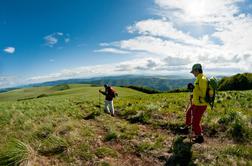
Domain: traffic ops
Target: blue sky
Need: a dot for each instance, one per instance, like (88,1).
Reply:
(24,24)
(46,40)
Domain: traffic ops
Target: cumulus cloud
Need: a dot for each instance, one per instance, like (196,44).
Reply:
(9,50)
(56,38)
(171,37)
(166,29)
(148,65)
(207,11)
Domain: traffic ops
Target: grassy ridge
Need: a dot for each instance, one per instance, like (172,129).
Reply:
(67,126)
(236,82)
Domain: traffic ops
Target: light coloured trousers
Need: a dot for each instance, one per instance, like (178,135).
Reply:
(109,107)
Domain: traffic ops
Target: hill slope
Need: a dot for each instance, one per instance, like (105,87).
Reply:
(236,82)
(68,127)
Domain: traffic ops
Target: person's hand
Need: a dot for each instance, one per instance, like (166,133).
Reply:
(99,90)
(190,87)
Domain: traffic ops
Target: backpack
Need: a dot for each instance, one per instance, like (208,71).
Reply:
(112,92)
(212,86)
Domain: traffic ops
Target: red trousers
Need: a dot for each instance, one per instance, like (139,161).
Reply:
(193,117)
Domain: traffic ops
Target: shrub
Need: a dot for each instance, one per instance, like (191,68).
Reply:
(236,126)
(229,118)
(239,131)
(110,136)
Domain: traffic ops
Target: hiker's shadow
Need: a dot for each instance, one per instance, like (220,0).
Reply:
(182,153)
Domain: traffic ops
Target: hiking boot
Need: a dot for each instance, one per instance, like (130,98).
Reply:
(184,130)
(106,112)
(198,139)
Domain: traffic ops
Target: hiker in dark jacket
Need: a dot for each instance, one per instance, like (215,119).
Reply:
(109,94)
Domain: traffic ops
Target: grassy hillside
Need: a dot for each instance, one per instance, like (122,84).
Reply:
(67,127)
(236,82)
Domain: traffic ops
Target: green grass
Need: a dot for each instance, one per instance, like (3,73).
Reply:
(67,126)
(15,153)
(105,151)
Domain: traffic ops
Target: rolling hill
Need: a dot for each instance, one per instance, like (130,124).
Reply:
(236,82)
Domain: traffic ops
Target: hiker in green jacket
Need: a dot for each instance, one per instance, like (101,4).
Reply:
(109,94)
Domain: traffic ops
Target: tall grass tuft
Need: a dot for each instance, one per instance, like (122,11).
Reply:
(239,131)
(237,128)
(52,145)
(15,153)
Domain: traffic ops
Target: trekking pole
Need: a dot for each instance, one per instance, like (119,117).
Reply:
(191,115)
(187,107)
(100,101)
(190,134)
(190,87)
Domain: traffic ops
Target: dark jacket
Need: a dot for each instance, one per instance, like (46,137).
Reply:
(109,93)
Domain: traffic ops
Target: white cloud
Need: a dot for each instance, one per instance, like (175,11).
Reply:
(9,50)
(97,70)
(228,43)
(164,28)
(125,67)
(201,11)
(112,50)
(104,44)
(8,81)
(51,40)
(57,38)
(150,65)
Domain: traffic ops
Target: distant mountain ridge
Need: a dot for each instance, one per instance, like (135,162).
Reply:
(160,83)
